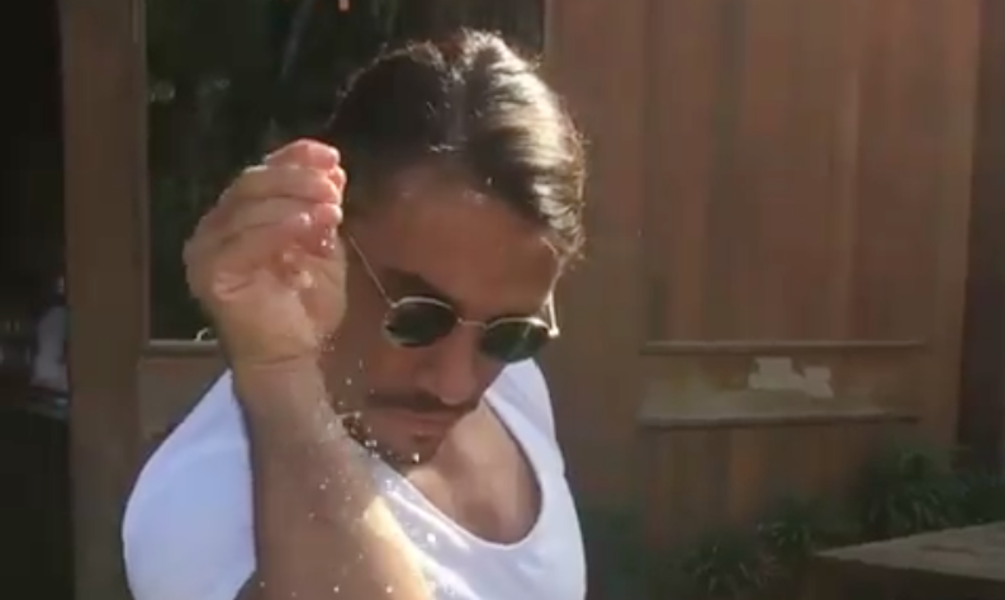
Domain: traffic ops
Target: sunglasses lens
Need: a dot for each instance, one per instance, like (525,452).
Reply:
(513,341)
(417,322)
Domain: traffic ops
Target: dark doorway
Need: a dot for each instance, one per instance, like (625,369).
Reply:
(35,505)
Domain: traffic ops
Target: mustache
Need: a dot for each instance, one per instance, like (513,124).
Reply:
(417,402)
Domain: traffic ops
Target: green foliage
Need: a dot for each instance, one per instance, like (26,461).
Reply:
(909,489)
(905,490)
(983,497)
(727,564)
(798,528)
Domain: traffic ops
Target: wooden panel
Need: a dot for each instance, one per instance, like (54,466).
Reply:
(710,474)
(773,178)
(596,54)
(102,90)
(982,393)
(172,378)
(801,167)
(807,195)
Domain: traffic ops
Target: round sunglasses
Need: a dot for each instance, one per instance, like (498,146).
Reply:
(418,321)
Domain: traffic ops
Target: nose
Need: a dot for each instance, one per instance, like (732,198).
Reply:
(450,367)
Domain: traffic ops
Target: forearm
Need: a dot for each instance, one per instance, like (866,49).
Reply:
(321,530)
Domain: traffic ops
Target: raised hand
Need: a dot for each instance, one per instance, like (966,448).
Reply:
(266,261)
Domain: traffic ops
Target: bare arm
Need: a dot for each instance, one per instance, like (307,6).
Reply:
(267,265)
(321,531)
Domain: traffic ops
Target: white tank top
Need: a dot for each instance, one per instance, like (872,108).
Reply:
(188,529)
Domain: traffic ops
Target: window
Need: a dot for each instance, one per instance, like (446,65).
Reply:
(229,79)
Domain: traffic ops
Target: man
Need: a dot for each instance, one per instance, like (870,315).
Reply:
(382,431)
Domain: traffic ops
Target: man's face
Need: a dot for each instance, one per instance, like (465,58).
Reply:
(439,240)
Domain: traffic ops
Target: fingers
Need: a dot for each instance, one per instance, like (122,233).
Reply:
(287,248)
(260,182)
(288,207)
(305,153)
(276,210)
(304,169)
(317,223)
(265,196)
(314,192)
(310,154)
